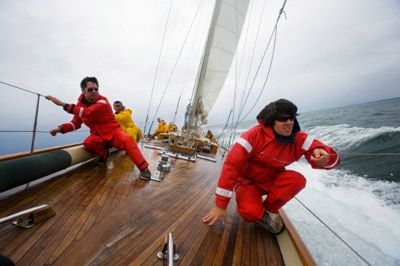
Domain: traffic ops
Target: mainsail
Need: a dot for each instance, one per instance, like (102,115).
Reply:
(225,28)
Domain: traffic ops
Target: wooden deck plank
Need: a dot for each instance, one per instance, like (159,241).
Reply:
(21,248)
(108,216)
(177,212)
(60,234)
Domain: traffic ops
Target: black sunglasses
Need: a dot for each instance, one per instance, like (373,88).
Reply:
(284,118)
(91,89)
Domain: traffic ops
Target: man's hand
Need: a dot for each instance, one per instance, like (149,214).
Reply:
(54,131)
(320,157)
(55,100)
(214,215)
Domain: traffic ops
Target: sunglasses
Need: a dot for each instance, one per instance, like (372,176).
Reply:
(284,118)
(91,89)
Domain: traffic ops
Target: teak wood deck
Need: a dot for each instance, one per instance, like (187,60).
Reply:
(106,215)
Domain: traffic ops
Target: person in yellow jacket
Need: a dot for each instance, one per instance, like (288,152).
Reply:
(162,127)
(124,117)
(172,127)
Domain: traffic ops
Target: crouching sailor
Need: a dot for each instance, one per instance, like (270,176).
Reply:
(95,112)
(255,167)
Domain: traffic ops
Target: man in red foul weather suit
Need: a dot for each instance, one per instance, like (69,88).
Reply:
(255,166)
(96,113)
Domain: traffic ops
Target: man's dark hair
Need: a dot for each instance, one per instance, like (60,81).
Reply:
(88,79)
(118,102)
(278,108)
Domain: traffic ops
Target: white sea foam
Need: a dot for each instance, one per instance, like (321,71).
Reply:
(344,136)
(357,209)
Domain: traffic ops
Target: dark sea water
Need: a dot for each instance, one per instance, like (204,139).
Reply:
(13,142)
(371,128)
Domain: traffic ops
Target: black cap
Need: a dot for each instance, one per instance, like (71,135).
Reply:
(281,107)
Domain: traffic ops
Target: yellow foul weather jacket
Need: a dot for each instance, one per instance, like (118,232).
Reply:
(125,120)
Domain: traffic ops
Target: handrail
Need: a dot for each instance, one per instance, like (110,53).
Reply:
(24,154)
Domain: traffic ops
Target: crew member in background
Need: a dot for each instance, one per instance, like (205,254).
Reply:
(255,166)
(95,112)
(124,117)
(210,135)
(172,127)
(162,127)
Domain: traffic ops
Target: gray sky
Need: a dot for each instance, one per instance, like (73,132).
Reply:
(329,53)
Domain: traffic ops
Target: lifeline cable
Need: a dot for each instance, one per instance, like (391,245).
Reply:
(20,88)
(330,229)
(364,154)
(38,131)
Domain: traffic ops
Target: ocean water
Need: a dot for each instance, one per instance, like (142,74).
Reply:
(360,200)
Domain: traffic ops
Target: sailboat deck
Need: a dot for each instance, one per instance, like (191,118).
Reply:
(106,215)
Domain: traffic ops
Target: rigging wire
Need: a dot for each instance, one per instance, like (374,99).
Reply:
(330,229)
(236,77)
(177,106)
(367,154)
(20,88)
(173,70)
(158,66)
(252,4)
(38,131)
(254,48)
(272,36)
(266,79)
(186,73)
(226,125)
(233,132)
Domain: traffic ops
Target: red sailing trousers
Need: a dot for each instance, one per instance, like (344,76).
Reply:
(280,190)
(120,140)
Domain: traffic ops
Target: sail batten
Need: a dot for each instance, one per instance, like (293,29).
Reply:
(223,38)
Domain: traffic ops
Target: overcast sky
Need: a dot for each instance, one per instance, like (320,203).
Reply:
(329,53)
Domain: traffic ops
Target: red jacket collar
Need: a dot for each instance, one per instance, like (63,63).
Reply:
(81,99)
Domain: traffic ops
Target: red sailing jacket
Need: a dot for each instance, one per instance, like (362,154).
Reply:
(98,116)
(257,157)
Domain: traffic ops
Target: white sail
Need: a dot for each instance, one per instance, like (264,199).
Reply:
(224,34)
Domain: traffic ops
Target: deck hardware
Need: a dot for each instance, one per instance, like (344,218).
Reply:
(27,218)
(168,251)
(157,176)
(163,164)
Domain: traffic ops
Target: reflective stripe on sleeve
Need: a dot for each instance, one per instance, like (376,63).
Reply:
(332,165)
(72,124)
(101,101)
(223,192)
(307,143)
(245,144)
(81,112)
